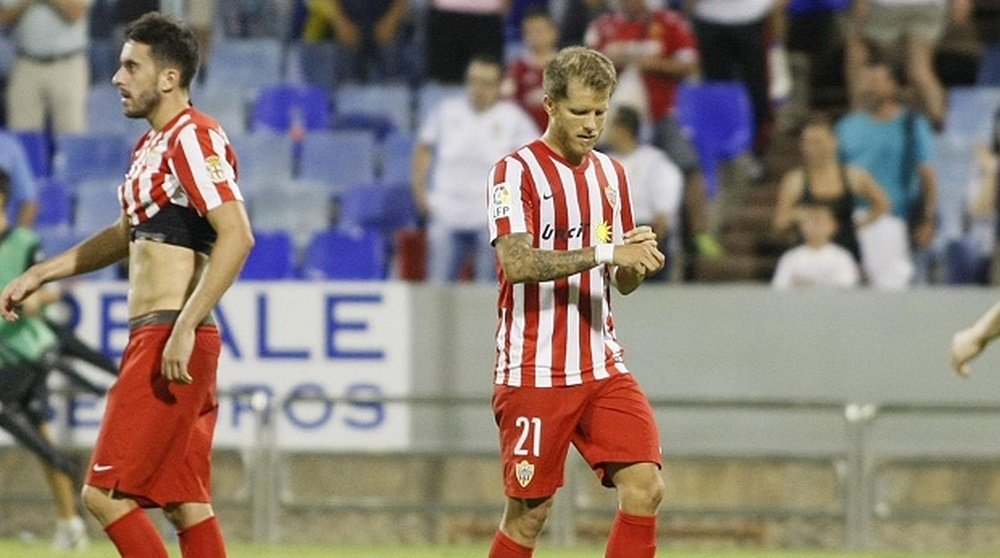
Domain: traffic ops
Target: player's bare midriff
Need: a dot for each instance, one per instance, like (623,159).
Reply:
(161,276)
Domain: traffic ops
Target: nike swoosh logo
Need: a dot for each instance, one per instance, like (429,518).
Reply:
(102,468)
(548,196)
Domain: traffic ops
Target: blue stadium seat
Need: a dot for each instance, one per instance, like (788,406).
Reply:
(38,148)
(339,158)
(971,111)
(272,257)
(300,209)
(383,207)
(245,65)
(55,205)
(316,61)
(392,101)
(277,108)
(96,205)
(720,120)
(377,124)
(346,255)
(106,116)
(221,105)
(103,57)
(397,156)
(263,158)
(989,66)
(82,156)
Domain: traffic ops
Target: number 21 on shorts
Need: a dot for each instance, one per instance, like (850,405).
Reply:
(531,435)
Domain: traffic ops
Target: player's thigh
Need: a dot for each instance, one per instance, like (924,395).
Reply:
(618,427)
(67,86)
(25,101)
(536,425)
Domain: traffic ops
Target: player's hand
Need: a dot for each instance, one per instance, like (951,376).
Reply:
(177,355)
(965,345)
(641,235)
(642,259)
(15,292)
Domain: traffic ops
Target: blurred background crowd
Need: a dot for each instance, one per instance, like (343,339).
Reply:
(798,142)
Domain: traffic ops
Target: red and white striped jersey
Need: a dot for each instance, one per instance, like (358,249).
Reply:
(558,333)
(189,163)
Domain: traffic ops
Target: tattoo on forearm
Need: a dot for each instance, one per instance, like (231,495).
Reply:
(525,264)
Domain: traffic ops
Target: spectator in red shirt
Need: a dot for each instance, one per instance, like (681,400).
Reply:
(660,44)
(524,74)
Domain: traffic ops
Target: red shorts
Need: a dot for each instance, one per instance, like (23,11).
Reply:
(609,421)
(155,443)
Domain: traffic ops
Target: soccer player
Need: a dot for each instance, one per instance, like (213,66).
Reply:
(968,343)
(561,222)
(186,234)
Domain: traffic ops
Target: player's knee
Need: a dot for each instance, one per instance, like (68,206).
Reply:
(93,499)
(528,525)
(643,496)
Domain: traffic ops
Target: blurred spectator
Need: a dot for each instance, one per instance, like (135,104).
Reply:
(916,25)
(816,30)
(818,262)
(201,19)
(22,201)
(824,179)
(524,74)
(970,257)
(895,145)
(733,41)
(655,50)
(51,74)
(655,183)
(459,30)
(463,137)
(368,36)
(255,18)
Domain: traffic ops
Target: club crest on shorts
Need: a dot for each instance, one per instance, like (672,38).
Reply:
(524,472)
(215,168)
(500,200)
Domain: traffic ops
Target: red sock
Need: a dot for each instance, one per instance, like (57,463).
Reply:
(505,547)
(632,536)
(135,536)
(203,540)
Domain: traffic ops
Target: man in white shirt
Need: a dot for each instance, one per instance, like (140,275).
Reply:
(656,183)
(457,145)
(818,262)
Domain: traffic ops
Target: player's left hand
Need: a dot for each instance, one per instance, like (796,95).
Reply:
(176,355)
(641,234)
(965,345)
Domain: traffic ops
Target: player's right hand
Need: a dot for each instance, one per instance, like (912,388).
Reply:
(965,345)
(642,259)
(15,292)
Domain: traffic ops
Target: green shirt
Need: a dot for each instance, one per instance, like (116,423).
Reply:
(27,338)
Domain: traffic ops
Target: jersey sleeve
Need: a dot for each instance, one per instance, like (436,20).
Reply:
(509,201)
(205,164)
(625,214)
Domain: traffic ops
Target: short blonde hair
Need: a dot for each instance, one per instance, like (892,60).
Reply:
(588,66)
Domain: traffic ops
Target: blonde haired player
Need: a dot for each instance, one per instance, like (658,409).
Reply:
(561,222)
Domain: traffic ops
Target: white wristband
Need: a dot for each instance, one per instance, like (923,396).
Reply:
(604,253)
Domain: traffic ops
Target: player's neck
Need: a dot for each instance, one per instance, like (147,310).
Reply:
(168,109)
(552,141)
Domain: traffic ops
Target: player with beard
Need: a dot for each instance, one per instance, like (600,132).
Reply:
(185,231)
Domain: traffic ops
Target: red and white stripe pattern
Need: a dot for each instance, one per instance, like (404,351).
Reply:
(188,163)
(558,333)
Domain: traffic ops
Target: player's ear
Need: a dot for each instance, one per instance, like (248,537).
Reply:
(549,105)
(170,79)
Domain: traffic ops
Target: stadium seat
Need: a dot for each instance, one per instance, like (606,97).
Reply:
(82,156)
(377,124)
(275,208)
(430,94)
(96,205)
(263,157)
(55,205)
(397,156)
(230,112)
(720,120)
(279,108)
(272,257)
(244,65)
(339,158)
(971,112)
(391,101)
(346,255)
(38,148)
(103,57)
(316,61)
(106,116)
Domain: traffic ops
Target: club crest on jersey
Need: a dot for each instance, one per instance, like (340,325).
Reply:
(603,232)
(611,193)
(500,200)
(215,169)
(524,472)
